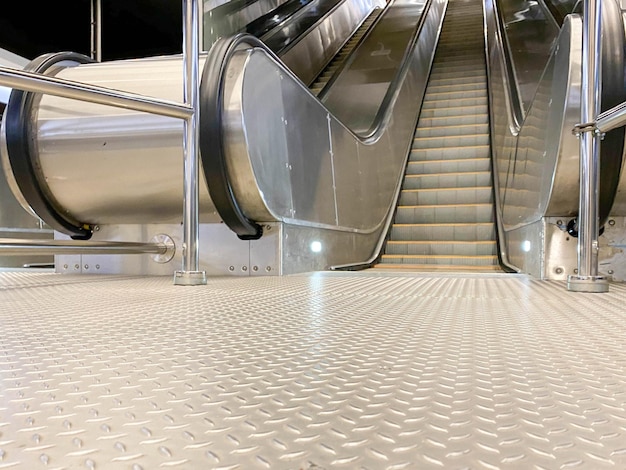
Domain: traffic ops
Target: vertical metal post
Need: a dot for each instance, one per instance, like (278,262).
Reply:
(587,279)
(190,275)
(96,30)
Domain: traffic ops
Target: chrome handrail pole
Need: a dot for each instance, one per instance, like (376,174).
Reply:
(38,83)
(587,278)
(190,275)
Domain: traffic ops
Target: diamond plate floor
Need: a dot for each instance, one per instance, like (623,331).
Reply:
(369,370)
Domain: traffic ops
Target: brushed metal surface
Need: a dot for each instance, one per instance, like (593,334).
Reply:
(336,371)
(531,32)
(216,24)
(307,55)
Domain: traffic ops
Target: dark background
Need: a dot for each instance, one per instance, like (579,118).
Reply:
(130,28)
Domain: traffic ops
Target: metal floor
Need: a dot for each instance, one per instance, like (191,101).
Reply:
(369,370)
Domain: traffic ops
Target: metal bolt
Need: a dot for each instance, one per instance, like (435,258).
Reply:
(86,266)
(244,268)
(268,268)
(611,222)
(97,266)
(559,270)
(231,268)
(255,268)
(76,266)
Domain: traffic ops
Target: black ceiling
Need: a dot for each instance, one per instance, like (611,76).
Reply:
(130,28)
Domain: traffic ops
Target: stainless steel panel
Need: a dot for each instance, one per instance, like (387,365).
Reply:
(543,249)
(612,249)
(531,33)
(221,252)
(217,24)
(358,92)
(542,180)
(308,56)
(109,165)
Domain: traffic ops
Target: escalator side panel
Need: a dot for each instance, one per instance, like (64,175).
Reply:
(310,54)
(301,166)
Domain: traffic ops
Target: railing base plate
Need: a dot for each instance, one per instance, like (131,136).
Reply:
(597,284)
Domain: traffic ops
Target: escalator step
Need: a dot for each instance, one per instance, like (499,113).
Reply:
(456,248)
(448,166)
(443,232)
(485,260)
(476,195)
(445,214)
(446,121)
(476,151)
(448,131)
(447,180)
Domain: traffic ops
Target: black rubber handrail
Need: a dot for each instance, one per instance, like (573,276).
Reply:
(212,152)
(22,156)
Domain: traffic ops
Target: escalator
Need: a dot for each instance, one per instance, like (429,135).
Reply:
(342,56)
(445,217)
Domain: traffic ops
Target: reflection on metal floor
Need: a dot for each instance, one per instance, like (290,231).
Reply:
(368,370)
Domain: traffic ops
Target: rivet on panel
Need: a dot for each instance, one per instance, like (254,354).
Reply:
(86,266)
(231,268)
(255,268)
(77,266)
(268,268)
(610,271)
(611,222)
(244,268)
(558,270)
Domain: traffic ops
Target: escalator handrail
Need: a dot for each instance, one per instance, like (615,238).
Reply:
(212,149)
(512,93)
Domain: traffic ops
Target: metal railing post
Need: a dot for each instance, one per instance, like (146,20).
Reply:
(190,274)
(587,278)
(96,30)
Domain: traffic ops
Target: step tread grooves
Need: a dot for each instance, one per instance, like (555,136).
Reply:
(450,147)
